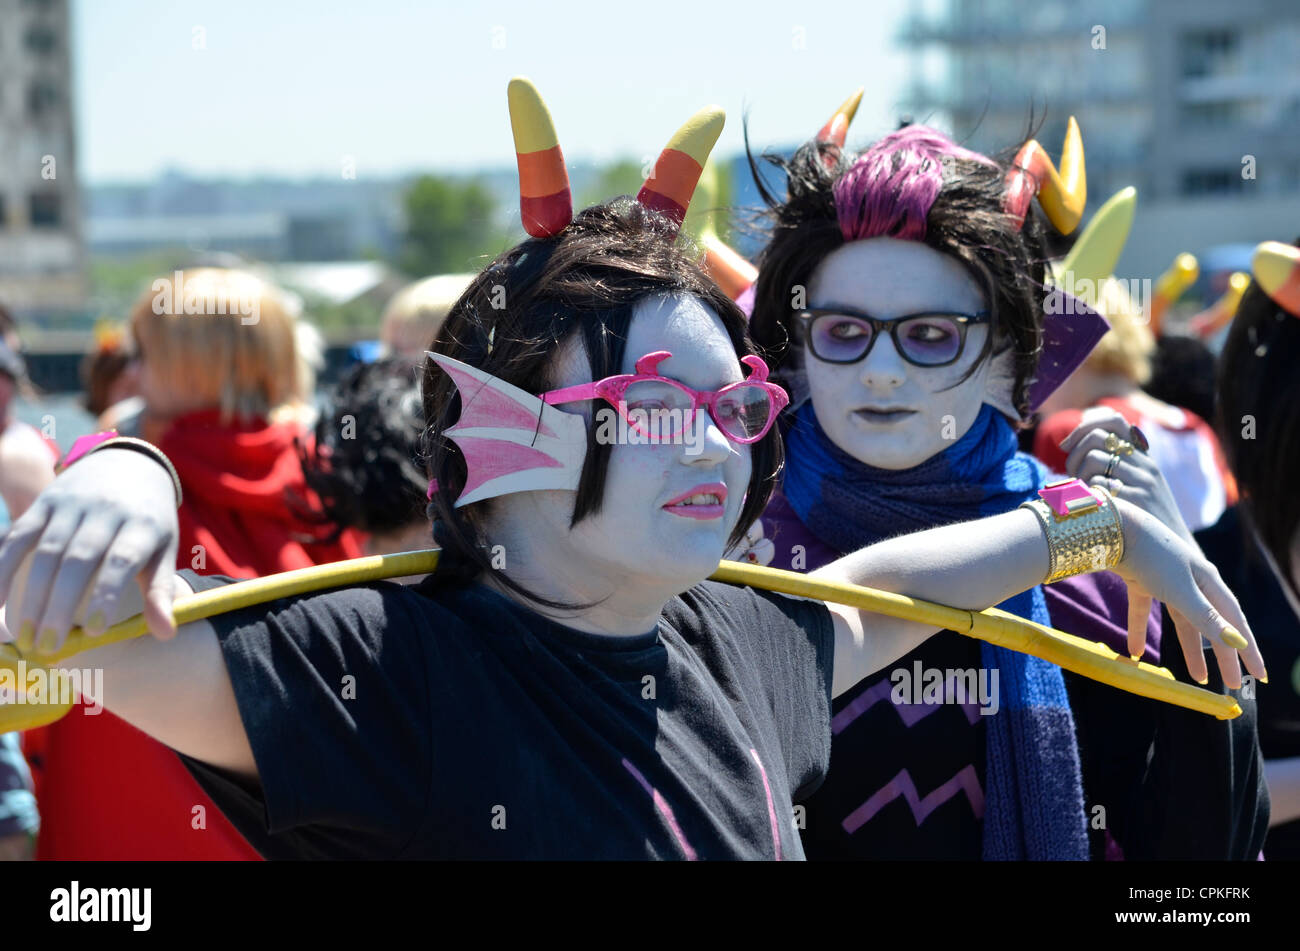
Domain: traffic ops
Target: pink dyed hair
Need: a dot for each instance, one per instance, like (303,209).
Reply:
(889,190)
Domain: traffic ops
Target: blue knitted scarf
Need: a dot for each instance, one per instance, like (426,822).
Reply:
(1034,790)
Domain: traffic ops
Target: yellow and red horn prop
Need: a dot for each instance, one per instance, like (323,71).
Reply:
(1062,194)
(732,272)
(1170,286)
(1276,267)
(1087,658)
(728,268)
(836,129)
(676,172)
(545,202)
(1220,313)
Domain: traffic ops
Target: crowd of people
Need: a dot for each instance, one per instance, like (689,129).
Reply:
(894,398)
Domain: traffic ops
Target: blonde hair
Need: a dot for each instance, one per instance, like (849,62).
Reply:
(1126,350)
(219,339)
(415,314)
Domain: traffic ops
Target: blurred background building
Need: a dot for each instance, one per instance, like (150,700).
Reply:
(1195,102)
(42,262)
(304,220)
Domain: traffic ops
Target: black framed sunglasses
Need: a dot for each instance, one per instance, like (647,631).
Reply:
(931,339)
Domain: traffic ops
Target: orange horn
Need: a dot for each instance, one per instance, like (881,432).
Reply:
(1062,195)
(728,268)
(672,182)
(836,128)
(545,202)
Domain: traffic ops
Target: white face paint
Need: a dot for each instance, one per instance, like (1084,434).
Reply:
(923,411)
(637,538)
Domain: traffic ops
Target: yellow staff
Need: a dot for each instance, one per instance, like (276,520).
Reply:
(1087,658)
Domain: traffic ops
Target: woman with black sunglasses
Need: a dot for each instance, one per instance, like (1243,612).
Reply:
(903,302)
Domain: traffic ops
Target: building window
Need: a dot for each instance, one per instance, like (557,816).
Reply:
(1216,114)
(1208,53)
(41,40)
(45,211)
(42,99)
(1211,181)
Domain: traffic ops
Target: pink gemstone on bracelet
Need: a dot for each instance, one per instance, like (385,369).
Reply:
(1069,497)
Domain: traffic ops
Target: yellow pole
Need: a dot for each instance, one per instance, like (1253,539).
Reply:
(1087,658)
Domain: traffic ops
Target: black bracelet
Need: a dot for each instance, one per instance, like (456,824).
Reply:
(148,449)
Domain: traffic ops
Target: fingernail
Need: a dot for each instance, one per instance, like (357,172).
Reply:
(1135,657)
(1232,637)
(1203,681)
(49,641)
(97,622)
(1264,679)
(26,636)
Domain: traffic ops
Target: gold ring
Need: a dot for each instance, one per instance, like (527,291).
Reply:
(1117,445)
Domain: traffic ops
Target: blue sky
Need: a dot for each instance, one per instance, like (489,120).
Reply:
(241,87)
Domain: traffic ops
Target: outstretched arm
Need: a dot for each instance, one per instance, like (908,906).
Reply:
(970,565)
(97,547)
(975,565)
(178,691)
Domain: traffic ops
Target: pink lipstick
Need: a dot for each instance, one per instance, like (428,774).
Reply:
(705,501)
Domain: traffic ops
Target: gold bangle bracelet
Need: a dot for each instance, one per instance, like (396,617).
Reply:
(1091,540)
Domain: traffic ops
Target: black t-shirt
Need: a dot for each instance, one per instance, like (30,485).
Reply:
(909,780)
(422,722)
(1170,783)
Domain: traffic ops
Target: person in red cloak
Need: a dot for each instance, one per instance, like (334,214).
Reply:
(220,377)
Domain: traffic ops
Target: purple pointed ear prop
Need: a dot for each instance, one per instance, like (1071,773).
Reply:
(512,441)
(1071,329)
(746,300)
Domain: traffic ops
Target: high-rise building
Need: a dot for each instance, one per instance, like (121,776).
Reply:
(1195,102)
(42,263)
